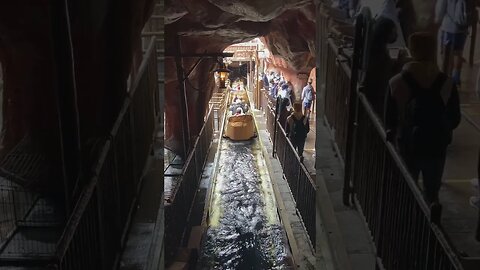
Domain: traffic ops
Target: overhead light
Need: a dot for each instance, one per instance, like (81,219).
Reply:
(222,72)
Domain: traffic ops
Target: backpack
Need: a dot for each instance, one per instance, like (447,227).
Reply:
(463,13)
(425,116)
(299,130)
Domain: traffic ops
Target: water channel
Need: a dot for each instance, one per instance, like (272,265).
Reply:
(245,231)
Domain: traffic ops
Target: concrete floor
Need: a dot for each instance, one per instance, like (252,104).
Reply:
(347,233)
(298,238)
(459,218)
(148,213)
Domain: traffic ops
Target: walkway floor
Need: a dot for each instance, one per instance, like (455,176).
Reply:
(346,230)
(459,218)
(309,151)
(295,231)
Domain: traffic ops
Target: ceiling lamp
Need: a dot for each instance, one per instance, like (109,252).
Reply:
(222,72)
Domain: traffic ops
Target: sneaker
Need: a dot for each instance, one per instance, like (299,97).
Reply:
(475,202)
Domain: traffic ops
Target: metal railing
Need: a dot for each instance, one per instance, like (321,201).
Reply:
(177,210)
(301,184)
(322,37)
(218,105)
(96,231)
(269,110)
(392,204)
(337,95)
(376,179)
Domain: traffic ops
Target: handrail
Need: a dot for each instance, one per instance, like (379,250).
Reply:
(178,209)
(192,153)
(91,216)
(74,221)
(143,66)
(302,186)
(377,171)
(302,166)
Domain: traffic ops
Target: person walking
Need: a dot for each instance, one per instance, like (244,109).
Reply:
(422,110)
(297,128)
(283,100)
(454,17)
(381,67)
(307,97)
(265,80)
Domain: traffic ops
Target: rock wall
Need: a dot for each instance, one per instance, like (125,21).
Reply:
(105,40)
(287,28)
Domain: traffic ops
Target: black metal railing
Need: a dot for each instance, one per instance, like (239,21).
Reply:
(177,210)
(301,184)
(96,231)
(337,95)
(218,105)
(323,30)
(269,110)
(392,204)
(376,177)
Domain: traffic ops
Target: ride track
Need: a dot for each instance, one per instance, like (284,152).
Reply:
(244,229)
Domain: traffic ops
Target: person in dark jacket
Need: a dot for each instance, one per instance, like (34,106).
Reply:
(297,128)
(422,110)
(380,66)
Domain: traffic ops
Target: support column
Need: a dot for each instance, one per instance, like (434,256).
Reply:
(183,98)
(66,103)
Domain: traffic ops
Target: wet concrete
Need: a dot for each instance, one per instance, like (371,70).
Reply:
(244,231)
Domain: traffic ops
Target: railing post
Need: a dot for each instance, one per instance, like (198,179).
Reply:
(101,227)
(183,98)
(277,104)
(298,181)
(352,109)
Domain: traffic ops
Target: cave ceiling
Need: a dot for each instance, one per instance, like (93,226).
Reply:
(287,27)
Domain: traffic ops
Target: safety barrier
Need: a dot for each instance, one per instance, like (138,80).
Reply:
(96,231)
(322,36)
(405,231)
(301,184)
(337,95)
(392,205)
(181,199)
(269,110)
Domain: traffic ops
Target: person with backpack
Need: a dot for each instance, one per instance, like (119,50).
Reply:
(297,128)
(284,105)
(307,97)
(454,17)
(422,110)
(381,67)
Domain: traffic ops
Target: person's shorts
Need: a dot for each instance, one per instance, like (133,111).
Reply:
(456,41)
(307,105)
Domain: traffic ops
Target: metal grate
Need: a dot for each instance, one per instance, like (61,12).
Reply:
(29,223)
(25,164)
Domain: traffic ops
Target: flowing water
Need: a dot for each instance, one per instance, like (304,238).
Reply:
(244,230)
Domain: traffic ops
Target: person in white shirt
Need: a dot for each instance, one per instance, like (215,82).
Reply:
(307,98)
